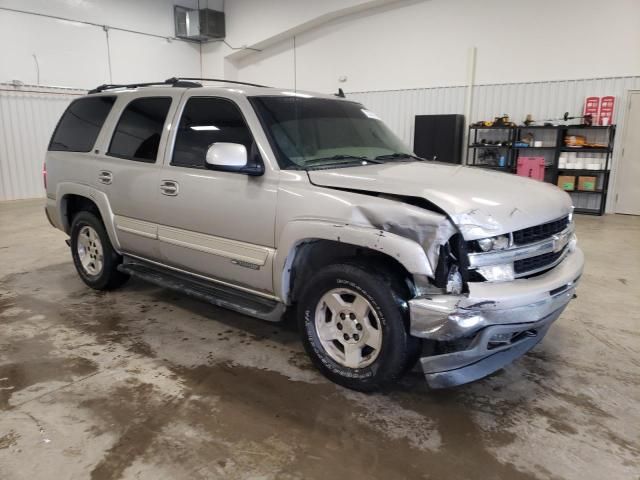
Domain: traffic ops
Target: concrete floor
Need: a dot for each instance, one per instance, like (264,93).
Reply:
(144,383)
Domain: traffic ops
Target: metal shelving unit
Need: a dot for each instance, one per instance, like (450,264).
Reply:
(602,175)
(553,139)
(488,156)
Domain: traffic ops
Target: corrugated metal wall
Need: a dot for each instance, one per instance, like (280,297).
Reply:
(28,115)
(543,100)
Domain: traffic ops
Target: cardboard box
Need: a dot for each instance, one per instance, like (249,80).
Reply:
(587,183)
(567,182)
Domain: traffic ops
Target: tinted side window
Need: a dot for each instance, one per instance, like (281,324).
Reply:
(80,124)
(206,121)
(137,135)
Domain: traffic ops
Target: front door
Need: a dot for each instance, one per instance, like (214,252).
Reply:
(216,224)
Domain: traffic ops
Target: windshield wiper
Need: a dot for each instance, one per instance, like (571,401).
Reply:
(394,156)
(328,160)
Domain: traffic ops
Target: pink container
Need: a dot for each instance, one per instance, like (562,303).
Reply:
(532,167)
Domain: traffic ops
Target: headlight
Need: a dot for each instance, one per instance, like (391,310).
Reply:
(500,242)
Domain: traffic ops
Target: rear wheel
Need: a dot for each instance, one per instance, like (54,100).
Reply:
(353,327)
(93,255)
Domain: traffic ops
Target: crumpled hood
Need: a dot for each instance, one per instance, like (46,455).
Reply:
(480,202)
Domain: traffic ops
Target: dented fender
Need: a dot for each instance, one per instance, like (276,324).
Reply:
(407,252)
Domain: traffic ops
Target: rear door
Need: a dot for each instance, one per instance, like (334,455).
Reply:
(129,165)
(213,223)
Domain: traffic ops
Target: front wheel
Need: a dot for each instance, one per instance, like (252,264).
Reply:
(353,328)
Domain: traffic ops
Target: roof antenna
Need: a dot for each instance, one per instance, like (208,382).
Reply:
(340,93)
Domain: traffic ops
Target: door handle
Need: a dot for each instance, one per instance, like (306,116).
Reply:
(169,187)
(105,176)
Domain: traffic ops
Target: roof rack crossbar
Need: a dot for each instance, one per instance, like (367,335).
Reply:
(237,82)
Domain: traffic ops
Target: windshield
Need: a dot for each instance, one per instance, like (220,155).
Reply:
(320,133)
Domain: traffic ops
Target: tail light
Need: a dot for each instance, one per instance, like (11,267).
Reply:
(44,174)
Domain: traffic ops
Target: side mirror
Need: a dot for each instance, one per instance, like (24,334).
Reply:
(230,157)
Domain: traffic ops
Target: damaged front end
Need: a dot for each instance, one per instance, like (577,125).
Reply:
(489,296)
(498,275)
(490,322)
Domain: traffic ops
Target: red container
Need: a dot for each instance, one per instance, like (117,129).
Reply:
(532,167)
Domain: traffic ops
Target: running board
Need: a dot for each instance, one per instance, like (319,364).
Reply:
(214,293)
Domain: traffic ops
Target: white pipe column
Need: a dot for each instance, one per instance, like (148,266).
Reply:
(468,97)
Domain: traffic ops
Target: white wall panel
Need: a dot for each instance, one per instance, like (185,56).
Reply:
(136,58)
(252,21)
(397,108)
(28,116)
(67,54)
(543,100)
(275,67)
(546,99)
(151,16)
(415,44)
(76,54)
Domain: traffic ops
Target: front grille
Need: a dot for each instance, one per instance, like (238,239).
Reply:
(536,263)
(539,232)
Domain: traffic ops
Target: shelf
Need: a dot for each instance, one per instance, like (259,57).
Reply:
(535,148)
(489,146)
(586,150)
(600,192)
(491,128)
(548,127)
(587,211)
(494,167)
(585,127)
(579,171)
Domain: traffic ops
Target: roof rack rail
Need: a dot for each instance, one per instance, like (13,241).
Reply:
(184,82)
(222,81)
(174,82)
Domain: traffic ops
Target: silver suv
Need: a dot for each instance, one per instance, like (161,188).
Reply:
(262,200)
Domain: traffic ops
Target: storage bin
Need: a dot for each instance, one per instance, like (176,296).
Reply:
(532,167)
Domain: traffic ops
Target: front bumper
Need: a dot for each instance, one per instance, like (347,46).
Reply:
(493,324)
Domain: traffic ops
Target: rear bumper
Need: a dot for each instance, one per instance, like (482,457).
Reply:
(46,212)
(51,212)
(494,324)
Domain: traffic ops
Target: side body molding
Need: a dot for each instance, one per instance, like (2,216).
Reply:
(407,252)
(98,197)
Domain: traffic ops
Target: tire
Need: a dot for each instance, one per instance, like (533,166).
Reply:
(384,350)
(93,255)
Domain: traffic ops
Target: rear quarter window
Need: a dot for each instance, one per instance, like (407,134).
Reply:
(137,135)
(80,124)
